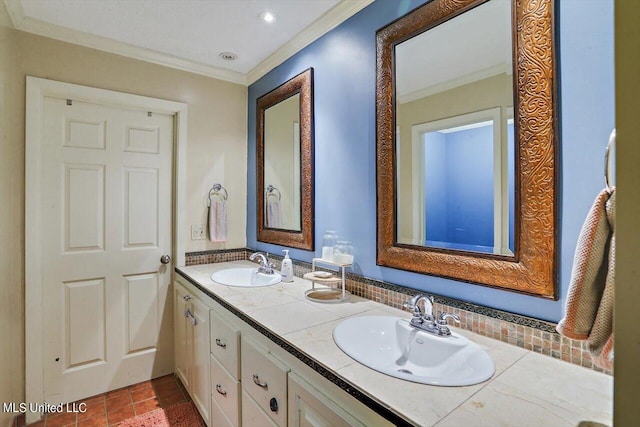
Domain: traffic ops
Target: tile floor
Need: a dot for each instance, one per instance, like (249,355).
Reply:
(109,409)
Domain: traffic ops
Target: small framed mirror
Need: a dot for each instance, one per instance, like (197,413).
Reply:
(466,143)
(284,141)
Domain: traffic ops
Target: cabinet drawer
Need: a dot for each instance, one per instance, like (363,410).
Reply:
(225,391)
(264,378)
(225,344)
(252,415)
(218,418)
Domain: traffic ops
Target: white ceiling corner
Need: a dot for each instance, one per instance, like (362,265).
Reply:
(331,19)
(187,34)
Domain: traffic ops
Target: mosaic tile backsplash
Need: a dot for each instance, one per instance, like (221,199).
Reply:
(531,334)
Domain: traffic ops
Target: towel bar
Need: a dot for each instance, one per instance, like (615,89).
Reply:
(217,190)
(270,191)
(607,177)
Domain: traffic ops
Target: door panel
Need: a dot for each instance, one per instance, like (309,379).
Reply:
(85,323)
(143,317)
(140,140)
(84,207)
(141,207)
(81,133)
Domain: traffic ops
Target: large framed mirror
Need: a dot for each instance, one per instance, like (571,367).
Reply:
(466,143)
(284,143)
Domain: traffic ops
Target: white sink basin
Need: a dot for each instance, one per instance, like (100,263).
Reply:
(246,277)
(391,346)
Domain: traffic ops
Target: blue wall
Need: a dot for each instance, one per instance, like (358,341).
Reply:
(345,146)
(469,163)
(459,188)
(435,180)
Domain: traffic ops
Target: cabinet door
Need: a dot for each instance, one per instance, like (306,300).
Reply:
(200,378)
(310,408)
(182,333)
(252,415)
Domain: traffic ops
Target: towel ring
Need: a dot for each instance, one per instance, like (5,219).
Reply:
(218,190)
(607,177)
(270,191)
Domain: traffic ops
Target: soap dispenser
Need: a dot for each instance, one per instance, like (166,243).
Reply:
(287,267)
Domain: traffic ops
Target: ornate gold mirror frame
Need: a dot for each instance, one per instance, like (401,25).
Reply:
(303,239)
(532,268)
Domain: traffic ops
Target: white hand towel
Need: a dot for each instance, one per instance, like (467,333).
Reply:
(218,221)
(274,213)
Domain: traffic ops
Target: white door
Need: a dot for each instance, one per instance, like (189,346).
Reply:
(106,221)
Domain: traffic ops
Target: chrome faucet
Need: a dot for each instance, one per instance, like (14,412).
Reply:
(425,320)
(266,266)
(419,316)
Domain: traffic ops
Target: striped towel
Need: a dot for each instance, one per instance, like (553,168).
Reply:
(274,213)
(589,305)
(217,219)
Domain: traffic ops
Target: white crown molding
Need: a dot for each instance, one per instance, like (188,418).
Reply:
(30,25)
(331,19)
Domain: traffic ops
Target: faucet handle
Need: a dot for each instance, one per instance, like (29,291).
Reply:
(269,262)
(441,323)
(442,318)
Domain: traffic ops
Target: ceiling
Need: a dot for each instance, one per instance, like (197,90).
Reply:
(473,46)
(188,34)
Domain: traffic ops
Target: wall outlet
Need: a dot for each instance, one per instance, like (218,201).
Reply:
(198,231)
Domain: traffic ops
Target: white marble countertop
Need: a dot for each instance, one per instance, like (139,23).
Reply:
(527,389)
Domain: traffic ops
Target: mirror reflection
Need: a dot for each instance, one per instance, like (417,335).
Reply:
(282,165)
(455,134)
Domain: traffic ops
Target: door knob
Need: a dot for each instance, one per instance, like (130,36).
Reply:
(165,259)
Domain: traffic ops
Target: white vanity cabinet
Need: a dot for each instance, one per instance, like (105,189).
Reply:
(251,380)
(191,323)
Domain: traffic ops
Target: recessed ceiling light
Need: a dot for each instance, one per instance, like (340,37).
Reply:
(267,17)
(228,56)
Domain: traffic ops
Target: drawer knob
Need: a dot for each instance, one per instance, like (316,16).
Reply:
(256,381)
(219,343)
(220,390)
(273,404)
